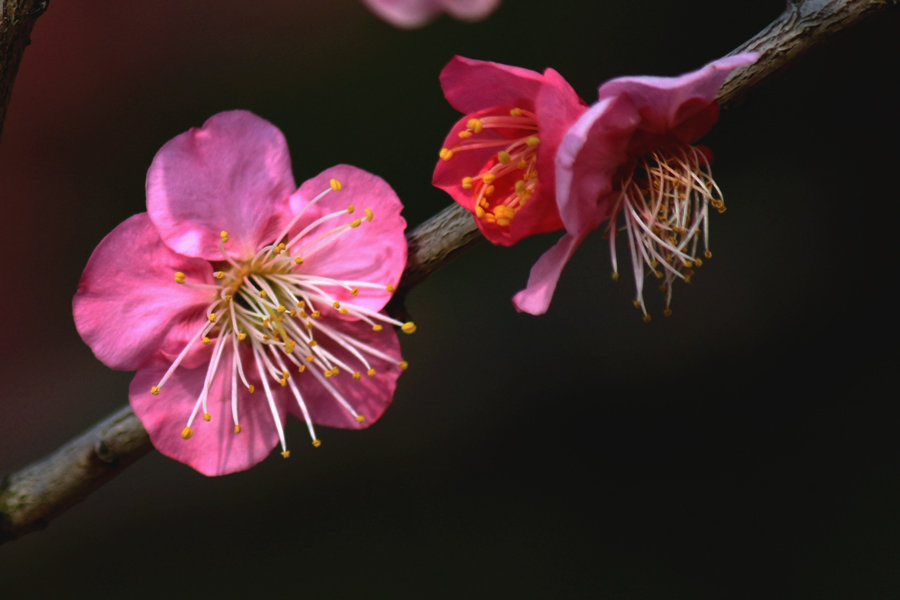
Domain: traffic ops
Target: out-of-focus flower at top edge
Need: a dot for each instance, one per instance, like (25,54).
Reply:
(497,161)
(411,14)
(632,154)
(239,298)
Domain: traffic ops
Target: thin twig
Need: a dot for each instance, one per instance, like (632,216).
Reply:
(32,496)
(17,19)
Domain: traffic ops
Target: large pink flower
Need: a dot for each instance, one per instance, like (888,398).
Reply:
(632,154)
(410,14)
(239,298)
(497,161)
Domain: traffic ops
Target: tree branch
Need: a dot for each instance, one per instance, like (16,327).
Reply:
(17,18)
(32,496)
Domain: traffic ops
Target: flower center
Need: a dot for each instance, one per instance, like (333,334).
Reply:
(508,179)
(278,314)
(665,202)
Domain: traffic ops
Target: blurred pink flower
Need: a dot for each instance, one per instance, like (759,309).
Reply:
(235,280)
(410,14)
(632,154)
(497,161)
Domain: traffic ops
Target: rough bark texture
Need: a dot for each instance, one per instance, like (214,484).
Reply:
(32,496)
(17,18)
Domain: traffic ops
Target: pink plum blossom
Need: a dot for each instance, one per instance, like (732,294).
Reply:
(410,14)
(497,161)
(632,154)
(239,298)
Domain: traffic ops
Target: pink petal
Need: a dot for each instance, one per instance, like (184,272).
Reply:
(231,174)
(374,252)
(666,102)
(410,14)
(214,448)
(536,297)
(129,306)
(471,85)
(589,156)
(369,396)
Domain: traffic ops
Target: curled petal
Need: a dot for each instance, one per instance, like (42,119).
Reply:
(536,297)
(374,251)
(589,157)
(213,447)
(128,305)
(369,395)
(666,103)
(232,174)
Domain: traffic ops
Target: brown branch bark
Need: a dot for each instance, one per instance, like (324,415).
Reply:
(17,18)
(31,497)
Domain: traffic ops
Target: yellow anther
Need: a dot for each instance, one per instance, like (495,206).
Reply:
(637,303)
(516,112)
(355,222)
(251,388)
(335,185)
(301,368)
(155,390)
(504,157)
(299,260)
(283,382)
(520,187)
(301,304)
(336,304)
(350,209)
(237,428)
(212,317)
(446,153)
(488,178)
(489,190)
(377,327)
(698,262)
(179,277)
(479,212)
(242,336)
(369,214)
(522,164)
(357,375)
(289,346)
(344,311)
(370,372)
(207,417)
(281,308)
(465,134)
(313,343)
(403,365)
(328,373)
(615,275)
(390,288)
(354,291)
(475,125)
(286,454)
(316,443)
(205,340)
(219,274)
(223,235)
(360,418)
(315,314)
(408,327)
(533,141)
(262,293)
(467,183)
(293,312)
(285,374)
(707,254)
(186,433)
(667,312)
(646,318)
(310,358)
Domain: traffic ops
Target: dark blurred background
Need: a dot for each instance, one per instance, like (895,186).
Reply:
(744,447)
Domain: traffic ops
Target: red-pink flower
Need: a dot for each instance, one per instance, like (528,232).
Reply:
(239,298)
(632,154)
(497,161)
(410,14)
